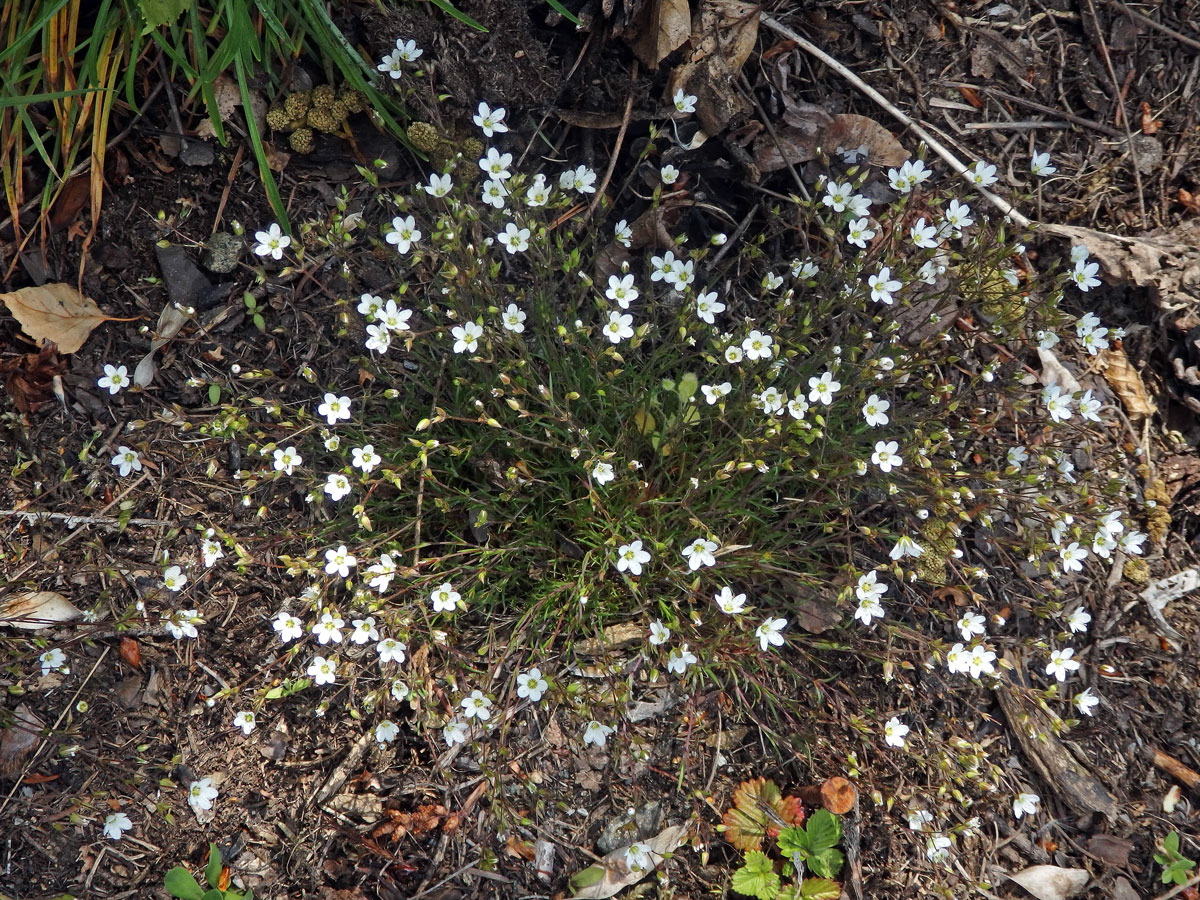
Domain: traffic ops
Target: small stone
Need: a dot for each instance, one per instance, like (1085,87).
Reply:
(222,252)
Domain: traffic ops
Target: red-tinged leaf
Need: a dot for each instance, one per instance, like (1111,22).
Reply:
(131,652)
(971,97)
(38,779)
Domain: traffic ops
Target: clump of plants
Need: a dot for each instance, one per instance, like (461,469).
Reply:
(182,884)
(323,109)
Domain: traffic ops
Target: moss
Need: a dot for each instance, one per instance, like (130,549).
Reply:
(296,104)
(1137,571)
(424,137)
(278,118)
(323,97)
(938,539)
(322,119)
(355,101)
(301,140)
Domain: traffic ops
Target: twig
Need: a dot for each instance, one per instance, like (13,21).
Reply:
(616,150)
(1023,125)
(1176,891)
(1120,101)
(936,146)
(1146,20)
(75,521)
(1051,111)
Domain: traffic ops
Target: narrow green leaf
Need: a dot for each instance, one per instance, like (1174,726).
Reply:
(564,12)
(212,872)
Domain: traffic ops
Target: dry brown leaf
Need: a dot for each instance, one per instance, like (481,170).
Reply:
(723,36)
(55,312)
(18,739)
(661,29)
(849,132)
(29,379)
(35,610)
(810,127)
(613,874)
(1127,384)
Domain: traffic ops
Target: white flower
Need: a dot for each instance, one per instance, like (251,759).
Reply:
(894,732)
(869,588)
(439,186)
(1089,407)
(408,50)
(714,392)
(477,706)
(770,632)
(404,233)
(733,354)
(637,857)
(182,623)
(1058,404)
(392,64)
(631,557)
(911,174)
(245,720)
(937,850)
(339,561)
(445,598)
(494,193)
(174,579)
(595,733)
(379,338)
(804,269)
(1086,701)
(659,633)
(929,271)
(201,794)
(1017,455)
(337,486)
(328,628)
(679,660)
(514,239)
(1084,275)
(700,553)
(707,306)
(1039,164)
(885,455)
(466,337)
(364,630)
(581,179)
(369,305)
(288,626)
(837,195)
(390,650)
(858,232)
(455,733)
(730,603)
(1132,543)
(958,217)
(322,670)
(757,346)
(114,378)
(772,282)
(981,661)
(622,290)
(210,551)
(539,192)
(1025,804)
(958,659)
(513,319)
(491,121)
(1078,620)
(622,233)
(875,411)
(386,731)
(982,174)
(905,546)
(619,327)
(1061,664)
(287,459)
(869,608)
(365,458)
(971,624)
(923,236)
(685,103)
(1072,557)
(116,824)
(333,408)
(919,818)
(531,685)
(126,461)
(393,318)
(603,473)
(669,174)
(822,389)
(271,242)
(52,660)
(797,407)
(883,286)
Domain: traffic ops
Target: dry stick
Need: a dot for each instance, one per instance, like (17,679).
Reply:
(612,159)
(1146,20)
(949,158)
(1175,892)
(1120,100)
(72,521)
(1049,110)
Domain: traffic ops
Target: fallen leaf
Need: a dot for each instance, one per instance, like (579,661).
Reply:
(29,379)
(131,652)
(1054,372)
(810,129)
(724,33)
(169,322)
(18,739)
(1113,850)
(661,29)
(1126,383)
(613,874)
(1052,882)
(1150,125)
(850,132)
(35,610)
(55,312)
